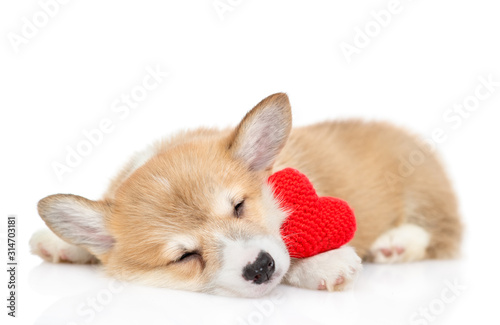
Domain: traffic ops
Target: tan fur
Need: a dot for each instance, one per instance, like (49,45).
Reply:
(150,206)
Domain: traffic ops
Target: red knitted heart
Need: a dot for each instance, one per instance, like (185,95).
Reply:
(315,224)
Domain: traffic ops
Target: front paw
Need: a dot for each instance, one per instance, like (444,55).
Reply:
(333,270)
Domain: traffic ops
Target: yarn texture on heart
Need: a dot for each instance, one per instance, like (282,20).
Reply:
(314,224)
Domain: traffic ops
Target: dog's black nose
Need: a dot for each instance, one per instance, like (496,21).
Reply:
(261,270)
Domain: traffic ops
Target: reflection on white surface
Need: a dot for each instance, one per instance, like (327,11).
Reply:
(383,294)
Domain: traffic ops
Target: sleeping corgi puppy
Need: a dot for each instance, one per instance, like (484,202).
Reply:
(195,211)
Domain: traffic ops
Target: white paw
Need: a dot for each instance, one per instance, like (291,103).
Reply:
(51,248)
(334,270)
(405,243)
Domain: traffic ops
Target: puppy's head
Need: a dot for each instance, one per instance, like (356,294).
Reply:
(198,215)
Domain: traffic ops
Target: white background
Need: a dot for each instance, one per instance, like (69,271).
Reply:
(64,79)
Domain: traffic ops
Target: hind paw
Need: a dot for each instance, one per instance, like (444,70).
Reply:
(53,249)
(405,243)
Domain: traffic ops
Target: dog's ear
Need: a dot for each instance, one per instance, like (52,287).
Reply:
(262,133)
(78,221)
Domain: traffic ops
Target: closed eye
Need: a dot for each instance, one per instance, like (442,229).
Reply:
(238,209)
(188,256)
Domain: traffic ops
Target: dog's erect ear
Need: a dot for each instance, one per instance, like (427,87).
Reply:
(263,132)
(78,221)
